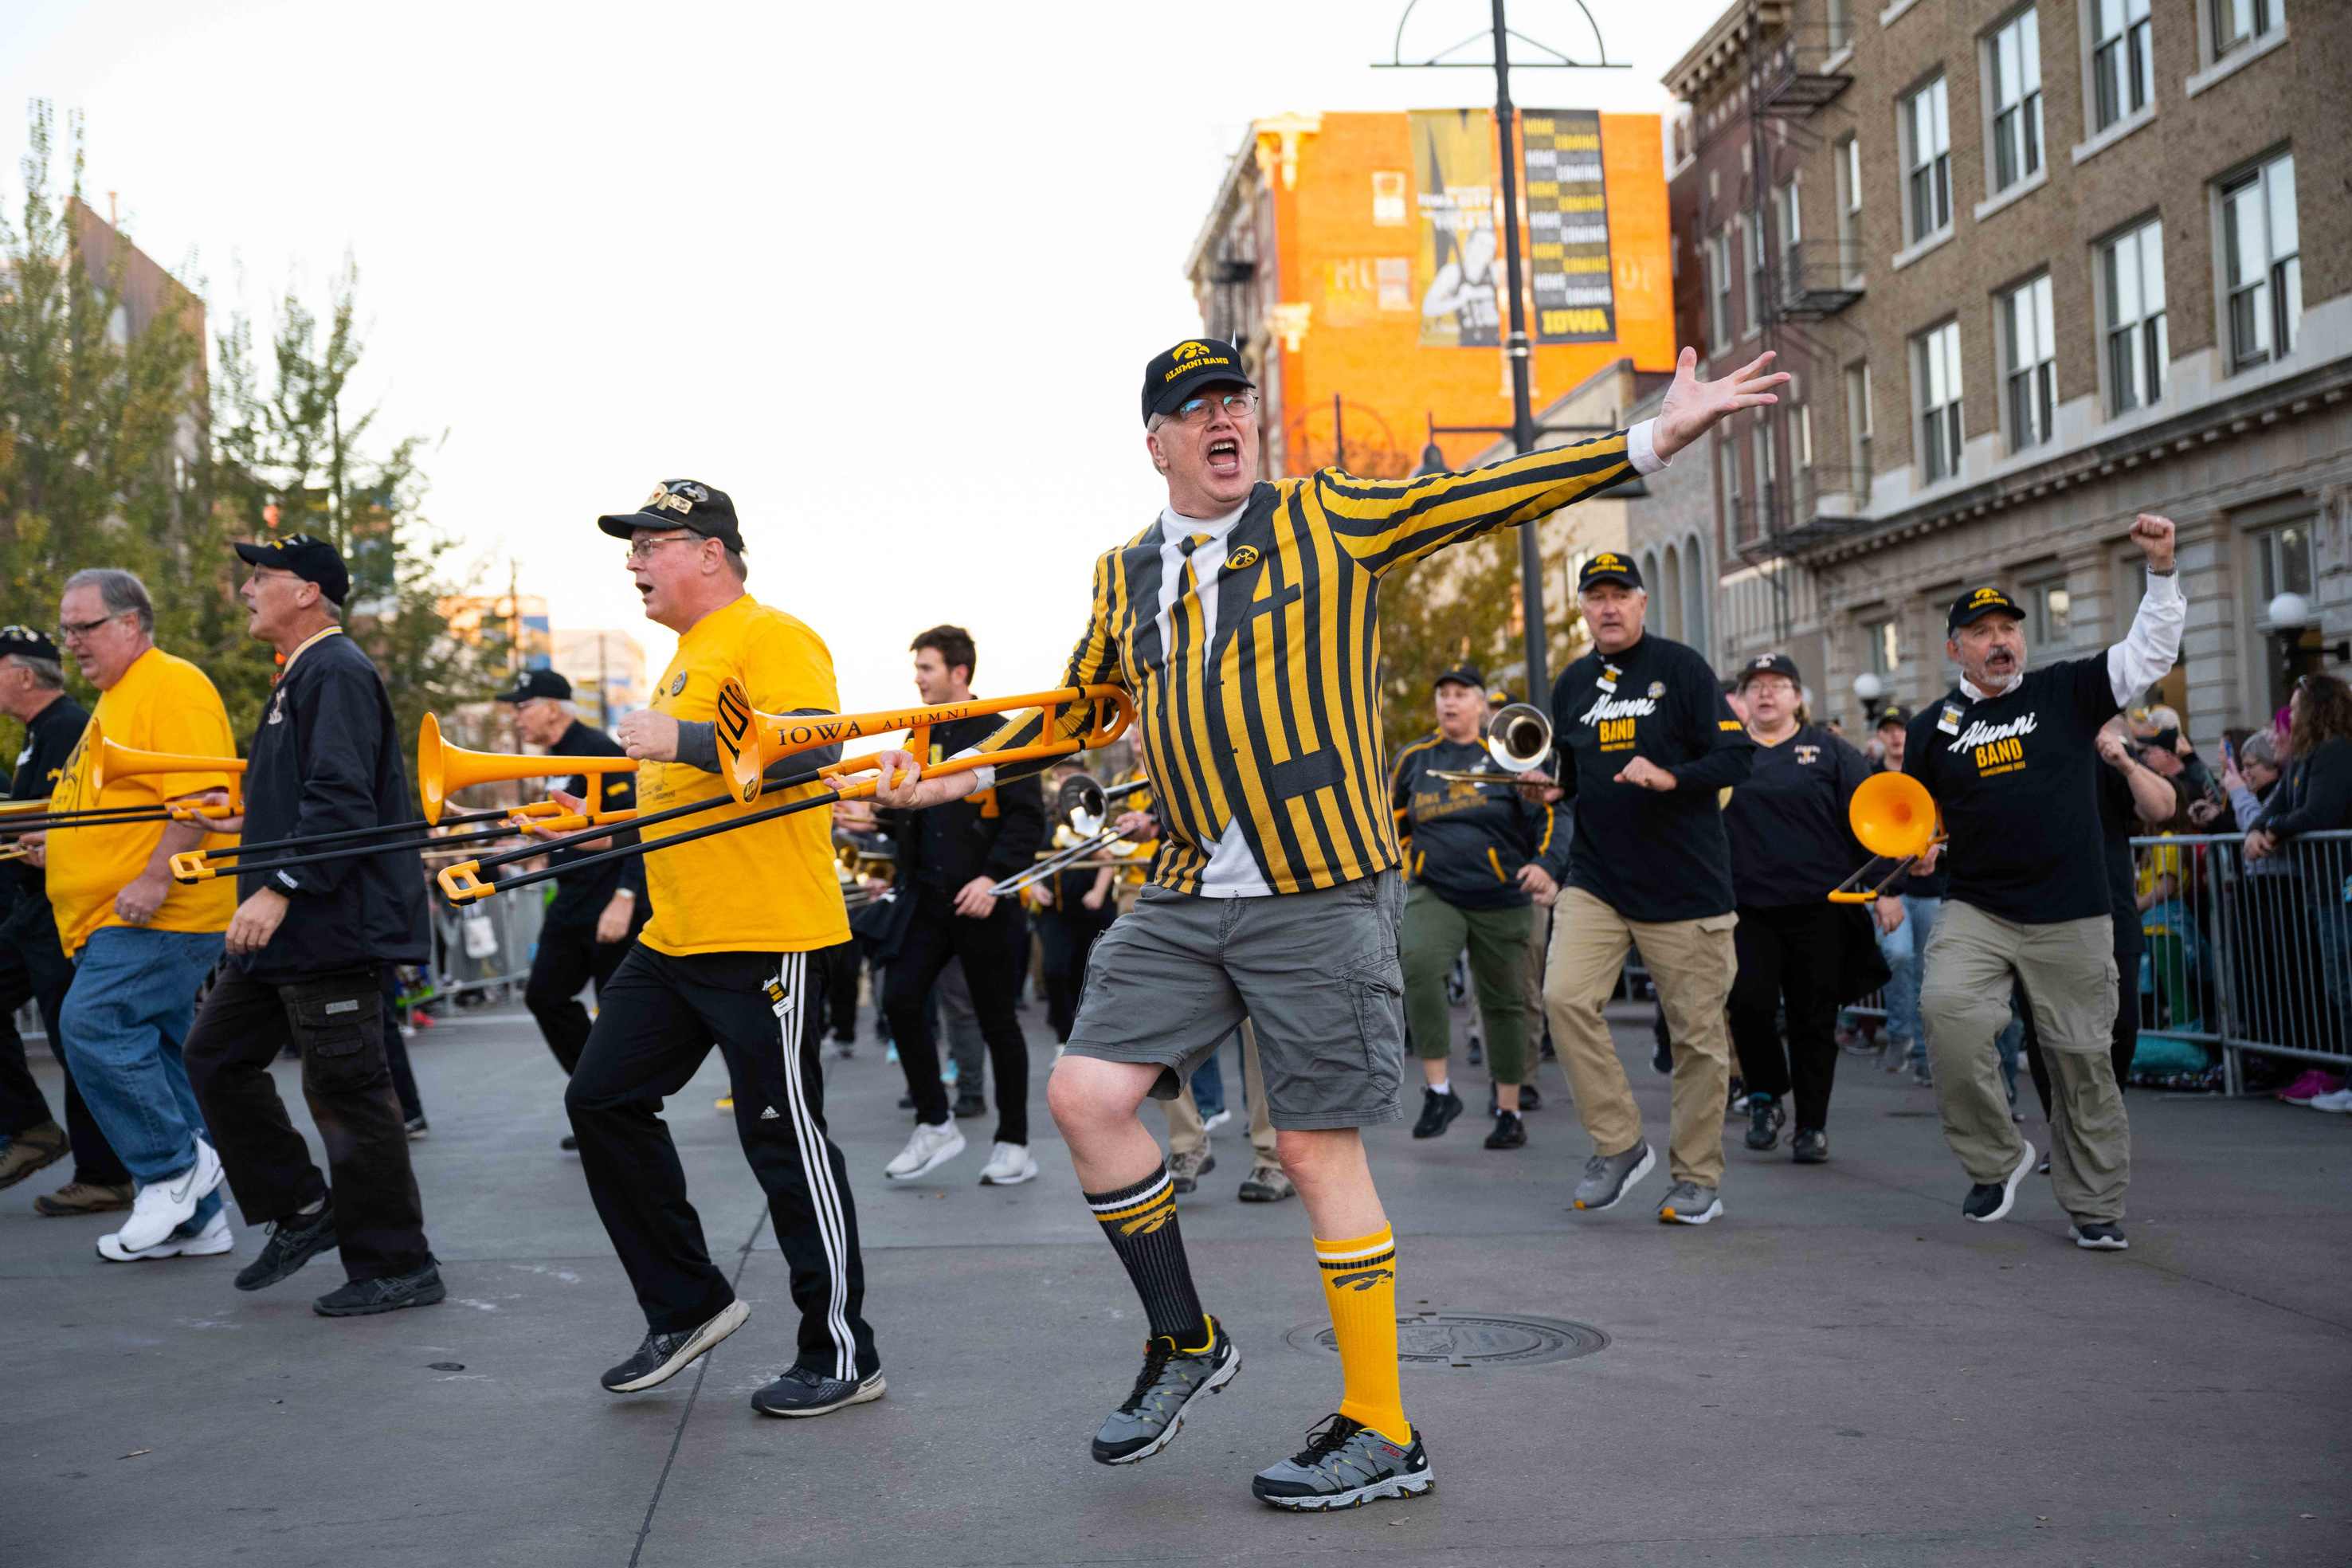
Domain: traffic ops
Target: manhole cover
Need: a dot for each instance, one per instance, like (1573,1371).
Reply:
(1472,1339)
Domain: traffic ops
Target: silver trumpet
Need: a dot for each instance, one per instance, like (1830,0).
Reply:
(1518,736)
(1084,804)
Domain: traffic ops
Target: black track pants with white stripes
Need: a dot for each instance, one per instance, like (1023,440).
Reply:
(656,1021)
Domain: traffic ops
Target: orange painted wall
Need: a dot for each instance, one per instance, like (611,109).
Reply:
(1330,248)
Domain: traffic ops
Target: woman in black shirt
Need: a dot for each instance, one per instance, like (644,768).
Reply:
(2315,796)
(1789,846)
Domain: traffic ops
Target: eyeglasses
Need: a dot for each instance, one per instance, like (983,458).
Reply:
(68,631)
(1192,410)
(643,550)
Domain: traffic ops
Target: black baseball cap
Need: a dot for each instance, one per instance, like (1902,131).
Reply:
(1976,604)
(1461,675)
(1894,713)
(27,643)
(681,503)
(312,560)
(1769,664)
(530,683)
(1175,375)
(1608,567)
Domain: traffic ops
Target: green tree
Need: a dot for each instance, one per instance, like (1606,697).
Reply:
(1461,606)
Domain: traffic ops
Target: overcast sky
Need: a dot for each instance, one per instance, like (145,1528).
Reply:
(886,273)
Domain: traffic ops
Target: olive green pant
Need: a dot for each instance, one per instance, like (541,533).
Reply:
(2068,971)
(1431,932)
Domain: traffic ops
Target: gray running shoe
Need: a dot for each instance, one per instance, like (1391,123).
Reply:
(1266,1185)
(1344,1465)
(1688,1203)
(1186,1170)
(1168,1381)
(805,1391)
(1608,1177)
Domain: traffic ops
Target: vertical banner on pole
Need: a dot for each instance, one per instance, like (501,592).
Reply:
(1457,273)
(1568,226)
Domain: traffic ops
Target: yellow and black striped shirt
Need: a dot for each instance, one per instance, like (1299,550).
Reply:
(1271,716)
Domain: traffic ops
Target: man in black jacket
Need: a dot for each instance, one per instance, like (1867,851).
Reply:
(949,856)
(1652,743)
(33,966)
(324,758)
(595,914)
(1479,857)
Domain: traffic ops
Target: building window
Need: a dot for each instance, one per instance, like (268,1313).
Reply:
(1726,462)
(1935,370)
(2029,362)
(1849,206)
(1388,199)
(1719,293)
(2123,64)
(2237,23)
(1768,473)
(2131,269)
(2049,603)
(1857,427)
(1841,23)
(1927,158)
(1882,647)
(2282,563)
(2016,80)
(2261,266)
(1753,242)
(1792,238)
(1392,276)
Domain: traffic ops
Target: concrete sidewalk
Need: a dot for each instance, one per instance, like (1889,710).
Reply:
(1840,1370)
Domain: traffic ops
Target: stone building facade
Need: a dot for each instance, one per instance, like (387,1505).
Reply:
(2036,268)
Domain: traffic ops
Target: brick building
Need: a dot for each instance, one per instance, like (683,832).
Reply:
(2035,267)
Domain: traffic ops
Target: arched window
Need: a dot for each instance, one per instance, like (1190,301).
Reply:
(1694,595)
(1670,595)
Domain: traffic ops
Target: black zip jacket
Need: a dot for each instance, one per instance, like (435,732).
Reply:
(50,741)
(994,833)
(326,758)
(2316,795)
(1466,842)
(1650,854)
(580,896)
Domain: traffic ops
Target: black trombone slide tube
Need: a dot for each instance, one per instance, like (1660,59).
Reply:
(825,798)
(356,851)
(349,834)
(544,846)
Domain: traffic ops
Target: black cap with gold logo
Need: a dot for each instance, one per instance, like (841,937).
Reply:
(1175,375)
(1608,567)
(681,503)
(312,560)
(1976,604)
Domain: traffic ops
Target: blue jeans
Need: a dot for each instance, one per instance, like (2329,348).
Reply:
(133,998)
(1209,1085)
(1905,952)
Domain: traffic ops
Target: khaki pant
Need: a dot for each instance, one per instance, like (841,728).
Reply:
(2068,971)
(1692,963)
(1188,1131)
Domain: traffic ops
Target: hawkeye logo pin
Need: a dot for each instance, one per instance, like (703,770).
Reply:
(679,685)
(1657,689)
(1241,559)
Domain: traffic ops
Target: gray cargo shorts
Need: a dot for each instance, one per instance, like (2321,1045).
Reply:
(1317,973)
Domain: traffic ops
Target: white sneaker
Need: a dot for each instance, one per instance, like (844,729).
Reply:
(163,1207)
(1219,1120)
(927,1151)
(2340,1102)
(1009,1165)
(209,1242)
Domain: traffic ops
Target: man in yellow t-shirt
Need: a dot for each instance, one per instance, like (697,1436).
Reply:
(142,943)
(726,959)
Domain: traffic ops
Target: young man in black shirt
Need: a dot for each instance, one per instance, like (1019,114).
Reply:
(1478,858)
(306,951)
(32,966)
(2010,757)
(948,856)
(1652,743)
(595,915)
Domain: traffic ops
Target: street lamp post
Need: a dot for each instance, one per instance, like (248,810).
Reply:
(1523,430)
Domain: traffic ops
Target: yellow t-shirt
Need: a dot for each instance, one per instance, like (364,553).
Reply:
(769,889)
(161,704)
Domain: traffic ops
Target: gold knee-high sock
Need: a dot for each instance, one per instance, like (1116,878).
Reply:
(1359,1287)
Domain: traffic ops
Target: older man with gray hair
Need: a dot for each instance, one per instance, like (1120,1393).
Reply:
(143,944)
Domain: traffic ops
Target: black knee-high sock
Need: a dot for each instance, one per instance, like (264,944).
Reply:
(1140,1221)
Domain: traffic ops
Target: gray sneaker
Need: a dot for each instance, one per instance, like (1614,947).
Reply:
(1688,1203)
(1344,1465)
(1186,1170)
(1608,1177)
(1171,1378)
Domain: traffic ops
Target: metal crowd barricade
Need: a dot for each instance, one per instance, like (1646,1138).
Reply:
(2247,956)
(513,920)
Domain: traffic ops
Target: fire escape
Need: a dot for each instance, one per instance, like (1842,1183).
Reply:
(1802,283)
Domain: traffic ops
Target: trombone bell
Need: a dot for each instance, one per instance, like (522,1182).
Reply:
(1518,737)
(442,769)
